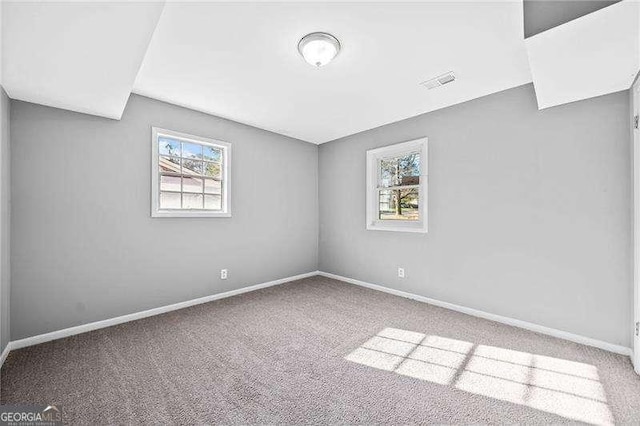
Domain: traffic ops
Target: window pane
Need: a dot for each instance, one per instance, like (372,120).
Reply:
(212,170)
(191,201)
(192,167)
(169,165)
(212,186)
(213,202)
(169,200)
(397,171)
(170,183)
(212,154)
(192,184)
(168,146)
(401,204)
(191,150)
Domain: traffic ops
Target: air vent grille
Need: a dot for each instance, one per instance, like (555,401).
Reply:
(441,80)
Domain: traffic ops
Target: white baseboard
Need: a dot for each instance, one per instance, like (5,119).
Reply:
(59,334)
(623,350)
(5,353)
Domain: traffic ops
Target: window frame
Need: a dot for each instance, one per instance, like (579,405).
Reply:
(225,198)
(374,157)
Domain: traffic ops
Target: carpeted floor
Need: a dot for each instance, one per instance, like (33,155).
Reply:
(321,351)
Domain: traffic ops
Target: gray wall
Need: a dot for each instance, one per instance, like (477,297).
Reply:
(529,212)
(84,247)
(542,15)
(4,220)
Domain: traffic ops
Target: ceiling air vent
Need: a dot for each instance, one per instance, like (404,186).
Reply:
(440,80)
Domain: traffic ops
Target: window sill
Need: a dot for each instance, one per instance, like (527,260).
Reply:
(189,213)
(415,227)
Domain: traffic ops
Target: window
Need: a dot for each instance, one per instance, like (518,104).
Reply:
(189,176)
(397,187)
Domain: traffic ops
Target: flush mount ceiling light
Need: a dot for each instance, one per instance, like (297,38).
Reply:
(318,49)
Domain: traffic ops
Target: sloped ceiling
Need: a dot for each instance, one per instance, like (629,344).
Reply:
(80,56)
(594,55)
(239,60)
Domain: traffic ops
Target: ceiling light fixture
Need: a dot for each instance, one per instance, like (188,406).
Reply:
(319,49)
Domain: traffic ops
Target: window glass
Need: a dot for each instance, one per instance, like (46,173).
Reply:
(213,202)
(398,204)
(170,183)
(192,184)
(212,154)
(400,171)
(168,146)
(169,200)
(191,150)
(192,201)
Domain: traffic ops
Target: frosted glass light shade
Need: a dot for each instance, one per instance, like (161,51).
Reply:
(318,49)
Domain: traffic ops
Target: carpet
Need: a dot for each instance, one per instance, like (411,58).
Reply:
(320,351)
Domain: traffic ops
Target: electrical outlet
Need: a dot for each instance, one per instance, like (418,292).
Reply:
(400,272)
(223,274)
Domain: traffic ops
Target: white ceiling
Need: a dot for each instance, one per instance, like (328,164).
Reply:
(240,61)
(591,56)
(78,56)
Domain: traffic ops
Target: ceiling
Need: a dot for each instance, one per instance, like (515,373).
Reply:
(591,56)
(240,61)
(78,56)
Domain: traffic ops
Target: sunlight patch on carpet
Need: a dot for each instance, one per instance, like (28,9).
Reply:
(566,388)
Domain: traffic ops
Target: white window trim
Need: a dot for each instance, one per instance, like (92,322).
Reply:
(155,176)
(373,169)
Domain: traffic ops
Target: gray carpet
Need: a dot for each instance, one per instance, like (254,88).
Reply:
(319,351)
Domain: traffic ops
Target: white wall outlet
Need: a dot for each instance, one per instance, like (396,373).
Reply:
(400,272)
(223,274)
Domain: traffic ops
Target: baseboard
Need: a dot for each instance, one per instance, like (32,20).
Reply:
(623,350)
(59,334)
(5,353)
